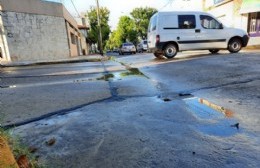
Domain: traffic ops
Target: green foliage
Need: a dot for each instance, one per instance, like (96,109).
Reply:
(114,40)
(125,32)
(129,29)
(141,18)
(93,22)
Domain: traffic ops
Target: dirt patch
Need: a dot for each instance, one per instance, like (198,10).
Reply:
(6,157)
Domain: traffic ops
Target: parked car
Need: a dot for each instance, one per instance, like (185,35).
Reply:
(127,48)
(116,50)
(170,32)
(142,46)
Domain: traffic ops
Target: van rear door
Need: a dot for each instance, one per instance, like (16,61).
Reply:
(151,35)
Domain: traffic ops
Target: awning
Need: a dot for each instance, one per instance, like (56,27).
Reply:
(250,6)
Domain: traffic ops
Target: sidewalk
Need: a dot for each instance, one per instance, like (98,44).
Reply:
(88,58)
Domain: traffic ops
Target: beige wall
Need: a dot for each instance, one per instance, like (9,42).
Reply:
(33,37)
(35,30)
(38,7)
(73,46)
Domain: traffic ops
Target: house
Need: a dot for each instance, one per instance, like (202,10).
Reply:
(85,42)
(244,14)
(38,30)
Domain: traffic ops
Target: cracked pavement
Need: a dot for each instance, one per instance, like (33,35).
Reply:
(138,111)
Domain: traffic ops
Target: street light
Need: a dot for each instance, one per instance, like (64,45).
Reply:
(100,32)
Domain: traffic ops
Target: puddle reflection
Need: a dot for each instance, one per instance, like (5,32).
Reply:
(216,120)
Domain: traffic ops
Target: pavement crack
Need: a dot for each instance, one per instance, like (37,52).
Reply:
(55,113)
(219,86)
(113,89)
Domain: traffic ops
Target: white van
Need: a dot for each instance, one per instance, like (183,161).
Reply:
(170,32)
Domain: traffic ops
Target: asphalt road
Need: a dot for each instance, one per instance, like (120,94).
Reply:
(196,110)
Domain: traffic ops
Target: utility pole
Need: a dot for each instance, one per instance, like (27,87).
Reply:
(99,26)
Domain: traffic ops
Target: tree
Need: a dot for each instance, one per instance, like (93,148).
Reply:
(94,31)
(114,40)
(141,18)
(127,30)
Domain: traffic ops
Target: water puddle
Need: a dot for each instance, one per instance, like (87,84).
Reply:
(216,120)
(221,128)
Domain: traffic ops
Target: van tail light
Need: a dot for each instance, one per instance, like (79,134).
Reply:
(157,39)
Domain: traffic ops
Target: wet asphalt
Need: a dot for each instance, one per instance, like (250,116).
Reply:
(196,110)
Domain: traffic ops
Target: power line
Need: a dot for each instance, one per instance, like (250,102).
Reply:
(169,2)
(75,7)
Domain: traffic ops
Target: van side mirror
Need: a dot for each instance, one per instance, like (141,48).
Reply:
(221,26)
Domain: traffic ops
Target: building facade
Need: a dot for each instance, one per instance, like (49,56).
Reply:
(37,30)
(244,14)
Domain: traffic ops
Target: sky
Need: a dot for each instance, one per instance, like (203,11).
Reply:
(124,7)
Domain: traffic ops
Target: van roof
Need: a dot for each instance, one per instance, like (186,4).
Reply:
(181,12)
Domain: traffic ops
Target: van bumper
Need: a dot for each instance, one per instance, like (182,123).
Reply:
(158,47)
(245,40)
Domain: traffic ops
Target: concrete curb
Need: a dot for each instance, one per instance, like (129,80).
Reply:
(22,64)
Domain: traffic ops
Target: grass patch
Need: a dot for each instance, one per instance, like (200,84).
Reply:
(106,77)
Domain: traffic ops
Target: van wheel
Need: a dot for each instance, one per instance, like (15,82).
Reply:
(234,45)
(170,51)
(214,51)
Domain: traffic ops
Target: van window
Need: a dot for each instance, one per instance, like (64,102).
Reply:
(209,22)
(187,21)
(152,25)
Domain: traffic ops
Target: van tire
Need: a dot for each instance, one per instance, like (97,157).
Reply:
(234,45)
(170,51)
(214,51)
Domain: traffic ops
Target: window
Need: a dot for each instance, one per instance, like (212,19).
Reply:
(73,38)
(208,22)
(187,21)
(152,25)
(254,24)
